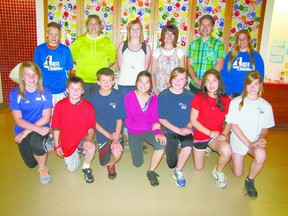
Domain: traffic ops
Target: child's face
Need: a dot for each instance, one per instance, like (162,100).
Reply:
(75,91)
(179,81)
(53,36)
(143,84)
(105,82)
(253,88)
(30,78)
(211,83)
(169,37)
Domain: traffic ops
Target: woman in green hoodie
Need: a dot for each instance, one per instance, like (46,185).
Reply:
(91,52)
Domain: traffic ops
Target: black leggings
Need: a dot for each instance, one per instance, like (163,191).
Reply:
(32,144)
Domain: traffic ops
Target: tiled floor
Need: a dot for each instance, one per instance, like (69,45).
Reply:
(130,193)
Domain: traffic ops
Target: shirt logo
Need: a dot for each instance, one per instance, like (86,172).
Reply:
(183,106)
(261,111)
(113,105)
(50,65)
(240,65)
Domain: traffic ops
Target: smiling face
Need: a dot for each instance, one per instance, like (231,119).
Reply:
(106,83)
(75,91)
(93,27)
(30,79)
(135,31)
(243,42)
(212,84)
(53,36)
(178,82)
(143,84)
(253,89)
(206,27)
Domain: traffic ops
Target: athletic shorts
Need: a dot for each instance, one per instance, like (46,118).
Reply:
(202,145)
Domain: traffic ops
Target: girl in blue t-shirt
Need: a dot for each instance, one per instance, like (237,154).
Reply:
(31,109)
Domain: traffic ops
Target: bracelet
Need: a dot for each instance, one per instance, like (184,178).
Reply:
(57,147)
(210,133)
(223,135)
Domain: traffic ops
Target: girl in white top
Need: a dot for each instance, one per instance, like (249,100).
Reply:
(250,117)
(166,58)
(133,56)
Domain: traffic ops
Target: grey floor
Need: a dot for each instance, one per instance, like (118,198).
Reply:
(130,193)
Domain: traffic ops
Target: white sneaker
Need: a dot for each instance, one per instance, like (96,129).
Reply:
(220,178)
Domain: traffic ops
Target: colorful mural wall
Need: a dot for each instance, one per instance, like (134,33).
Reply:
(246,14)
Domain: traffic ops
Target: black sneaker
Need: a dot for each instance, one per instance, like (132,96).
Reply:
(111,171)
(88,176)
(152,177)
(250,188)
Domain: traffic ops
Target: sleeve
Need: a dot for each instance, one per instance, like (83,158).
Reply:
(92,117)
(233,113)
(13,96)
(180,53)
(162,106)
(48,99)
(56,121)
(37,55)
(69,60)
(156,53)
(111,51)
(196,101)
(121,107)
(225,74)
(259,64)
(75,49)
(269,117)
(221,50)
(189,50)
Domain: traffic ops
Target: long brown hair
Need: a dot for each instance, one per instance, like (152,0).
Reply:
(221,89)
(236,49)
(250,77)
(34,67)
(171,28)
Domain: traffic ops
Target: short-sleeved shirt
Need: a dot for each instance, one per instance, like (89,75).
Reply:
(252,118)
(54,65)
(31,107)
(210,116)
(205,54)
(108,109)
(73,121)
(175,108)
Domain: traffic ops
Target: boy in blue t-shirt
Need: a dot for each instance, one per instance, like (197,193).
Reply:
(109,109)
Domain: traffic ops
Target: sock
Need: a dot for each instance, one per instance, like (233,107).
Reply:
(85,165)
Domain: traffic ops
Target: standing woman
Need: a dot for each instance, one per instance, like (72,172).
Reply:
(31,106)
(91,52)
(239,62)
(166,58)
(133,56)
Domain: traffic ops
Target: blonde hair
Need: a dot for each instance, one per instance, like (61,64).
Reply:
(130,25)
(250,77)
(98,21)
(236,49)
(34,67)
(177,71)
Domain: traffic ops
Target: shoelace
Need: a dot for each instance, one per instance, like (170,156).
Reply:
(43,172)
(180,174)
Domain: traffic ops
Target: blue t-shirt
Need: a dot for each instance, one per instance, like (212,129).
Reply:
(107,110)
(32,107)
(54,65)
(175,108)
(241,66)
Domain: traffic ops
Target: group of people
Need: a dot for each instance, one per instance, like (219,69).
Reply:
(175,110)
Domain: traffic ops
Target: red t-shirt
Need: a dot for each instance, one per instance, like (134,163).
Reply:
(73,121)
(210,116)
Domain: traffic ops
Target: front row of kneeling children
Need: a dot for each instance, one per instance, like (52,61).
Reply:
(176,121)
